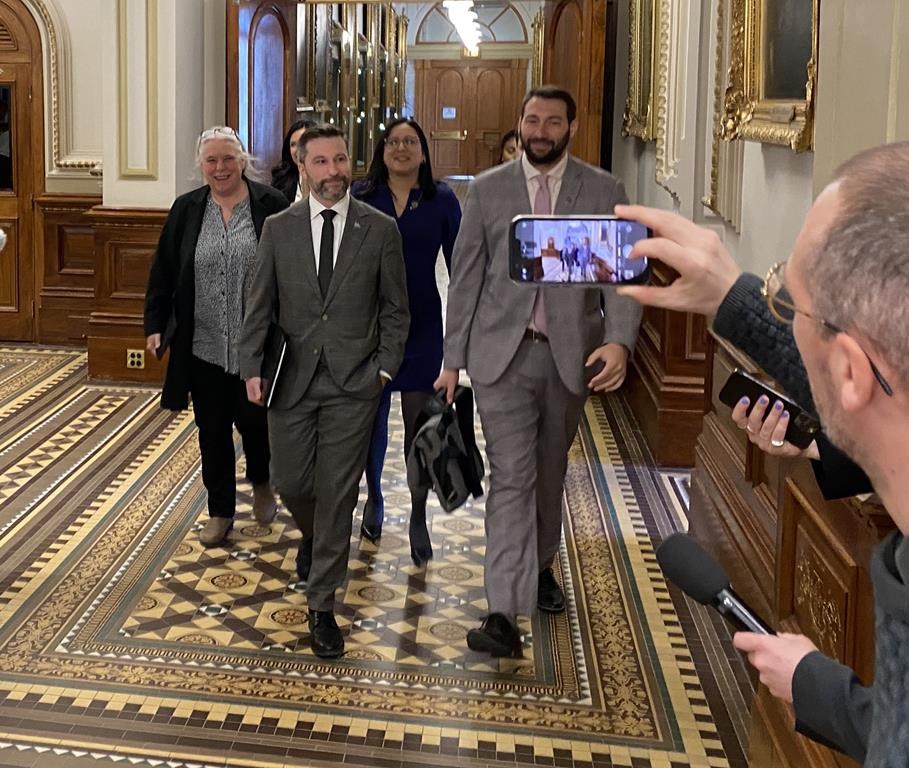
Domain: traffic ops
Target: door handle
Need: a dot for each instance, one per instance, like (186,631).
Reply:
(448,135)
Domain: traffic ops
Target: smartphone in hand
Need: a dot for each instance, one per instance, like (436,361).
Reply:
(576,250)
(802,425)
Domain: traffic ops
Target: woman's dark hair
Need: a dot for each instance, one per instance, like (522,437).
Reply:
(512,134)
(285,176)
(378,171)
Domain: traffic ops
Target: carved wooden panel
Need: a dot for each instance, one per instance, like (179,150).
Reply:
(131,262)
(125,242)
(9,268)
(800,561)
(666,385)
(66,245)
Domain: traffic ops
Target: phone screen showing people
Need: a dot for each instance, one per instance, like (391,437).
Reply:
(566,250)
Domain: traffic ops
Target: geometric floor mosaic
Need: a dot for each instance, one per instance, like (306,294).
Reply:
(122,640)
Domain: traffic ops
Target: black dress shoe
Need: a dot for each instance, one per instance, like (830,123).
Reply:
(304,559)
(325,637)
(371,534)
(550,598)
(373,517)
(497,636)
(420,544)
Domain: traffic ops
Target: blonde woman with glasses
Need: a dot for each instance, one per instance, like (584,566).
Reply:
(194,307)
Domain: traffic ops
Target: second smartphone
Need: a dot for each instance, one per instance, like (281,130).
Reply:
(576,250)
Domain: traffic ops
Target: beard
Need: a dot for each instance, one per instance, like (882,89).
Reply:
(323,191)
(555,151)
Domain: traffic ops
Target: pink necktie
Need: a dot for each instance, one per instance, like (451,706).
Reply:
(541,205)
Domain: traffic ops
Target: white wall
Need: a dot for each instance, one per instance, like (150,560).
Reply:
(192,85)
(776,196)
(75,119)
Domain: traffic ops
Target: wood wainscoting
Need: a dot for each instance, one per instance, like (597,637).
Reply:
(125,242)
(65,251)
(798,560)
(666,380)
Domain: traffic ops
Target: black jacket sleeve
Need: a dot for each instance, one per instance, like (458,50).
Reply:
(745,320)
(836,474)
(162,279)
(832,707)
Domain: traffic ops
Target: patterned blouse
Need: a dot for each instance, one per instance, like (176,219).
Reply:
(224,256)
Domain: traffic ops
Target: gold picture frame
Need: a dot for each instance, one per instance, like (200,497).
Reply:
(640,112)
(762,100)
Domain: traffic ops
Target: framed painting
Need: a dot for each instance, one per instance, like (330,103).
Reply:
(773,72)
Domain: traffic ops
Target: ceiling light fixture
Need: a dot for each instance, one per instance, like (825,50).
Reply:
(464,18)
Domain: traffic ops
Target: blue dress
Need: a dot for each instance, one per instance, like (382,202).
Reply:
(425,227)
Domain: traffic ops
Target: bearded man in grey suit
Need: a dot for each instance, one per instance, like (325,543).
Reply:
(331,272)
(533,355)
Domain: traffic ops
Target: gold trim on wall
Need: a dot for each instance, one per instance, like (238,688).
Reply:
(403,22)
(639,116)
(150,171)
(747,113)
(539,39)
(664,101)
(724,196)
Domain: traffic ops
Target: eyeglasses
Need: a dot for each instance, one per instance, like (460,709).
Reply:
(407,141)
(781,307)
(220,130)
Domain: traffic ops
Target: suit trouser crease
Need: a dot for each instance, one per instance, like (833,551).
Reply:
(529,420)
(219,403)
(319,451)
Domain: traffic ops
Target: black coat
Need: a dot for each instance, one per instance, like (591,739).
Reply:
(745,320)
(171,293)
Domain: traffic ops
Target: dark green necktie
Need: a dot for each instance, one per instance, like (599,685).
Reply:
(326,250)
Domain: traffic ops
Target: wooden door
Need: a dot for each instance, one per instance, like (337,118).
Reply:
(21,167)
(464,107)
(575,58)
(261,71)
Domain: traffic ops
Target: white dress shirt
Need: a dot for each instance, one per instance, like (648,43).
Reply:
(315,221)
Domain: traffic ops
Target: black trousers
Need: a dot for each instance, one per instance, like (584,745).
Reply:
(219,402)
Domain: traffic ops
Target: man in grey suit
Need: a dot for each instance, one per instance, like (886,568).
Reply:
(331,271)
(533,355)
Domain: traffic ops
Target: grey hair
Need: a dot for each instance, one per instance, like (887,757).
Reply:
(251,164)
(860,275)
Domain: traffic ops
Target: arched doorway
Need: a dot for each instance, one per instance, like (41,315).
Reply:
(21,166)
(465,104)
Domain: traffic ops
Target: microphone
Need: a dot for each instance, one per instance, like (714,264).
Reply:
(693,570)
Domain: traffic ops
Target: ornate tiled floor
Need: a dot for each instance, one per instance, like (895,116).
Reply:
(122,640)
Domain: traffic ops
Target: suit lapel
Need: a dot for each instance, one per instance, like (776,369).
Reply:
(570,190)
(520,204)
(354,232)
(308,255)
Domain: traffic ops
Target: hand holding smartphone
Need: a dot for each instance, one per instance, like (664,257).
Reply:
(802,425)
(576,250)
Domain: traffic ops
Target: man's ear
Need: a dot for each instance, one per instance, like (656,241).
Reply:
(851,370)
(573,128)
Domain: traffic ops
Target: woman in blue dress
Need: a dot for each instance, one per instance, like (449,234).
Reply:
(400,183)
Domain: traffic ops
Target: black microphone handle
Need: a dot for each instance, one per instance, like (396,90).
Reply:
(733,608)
